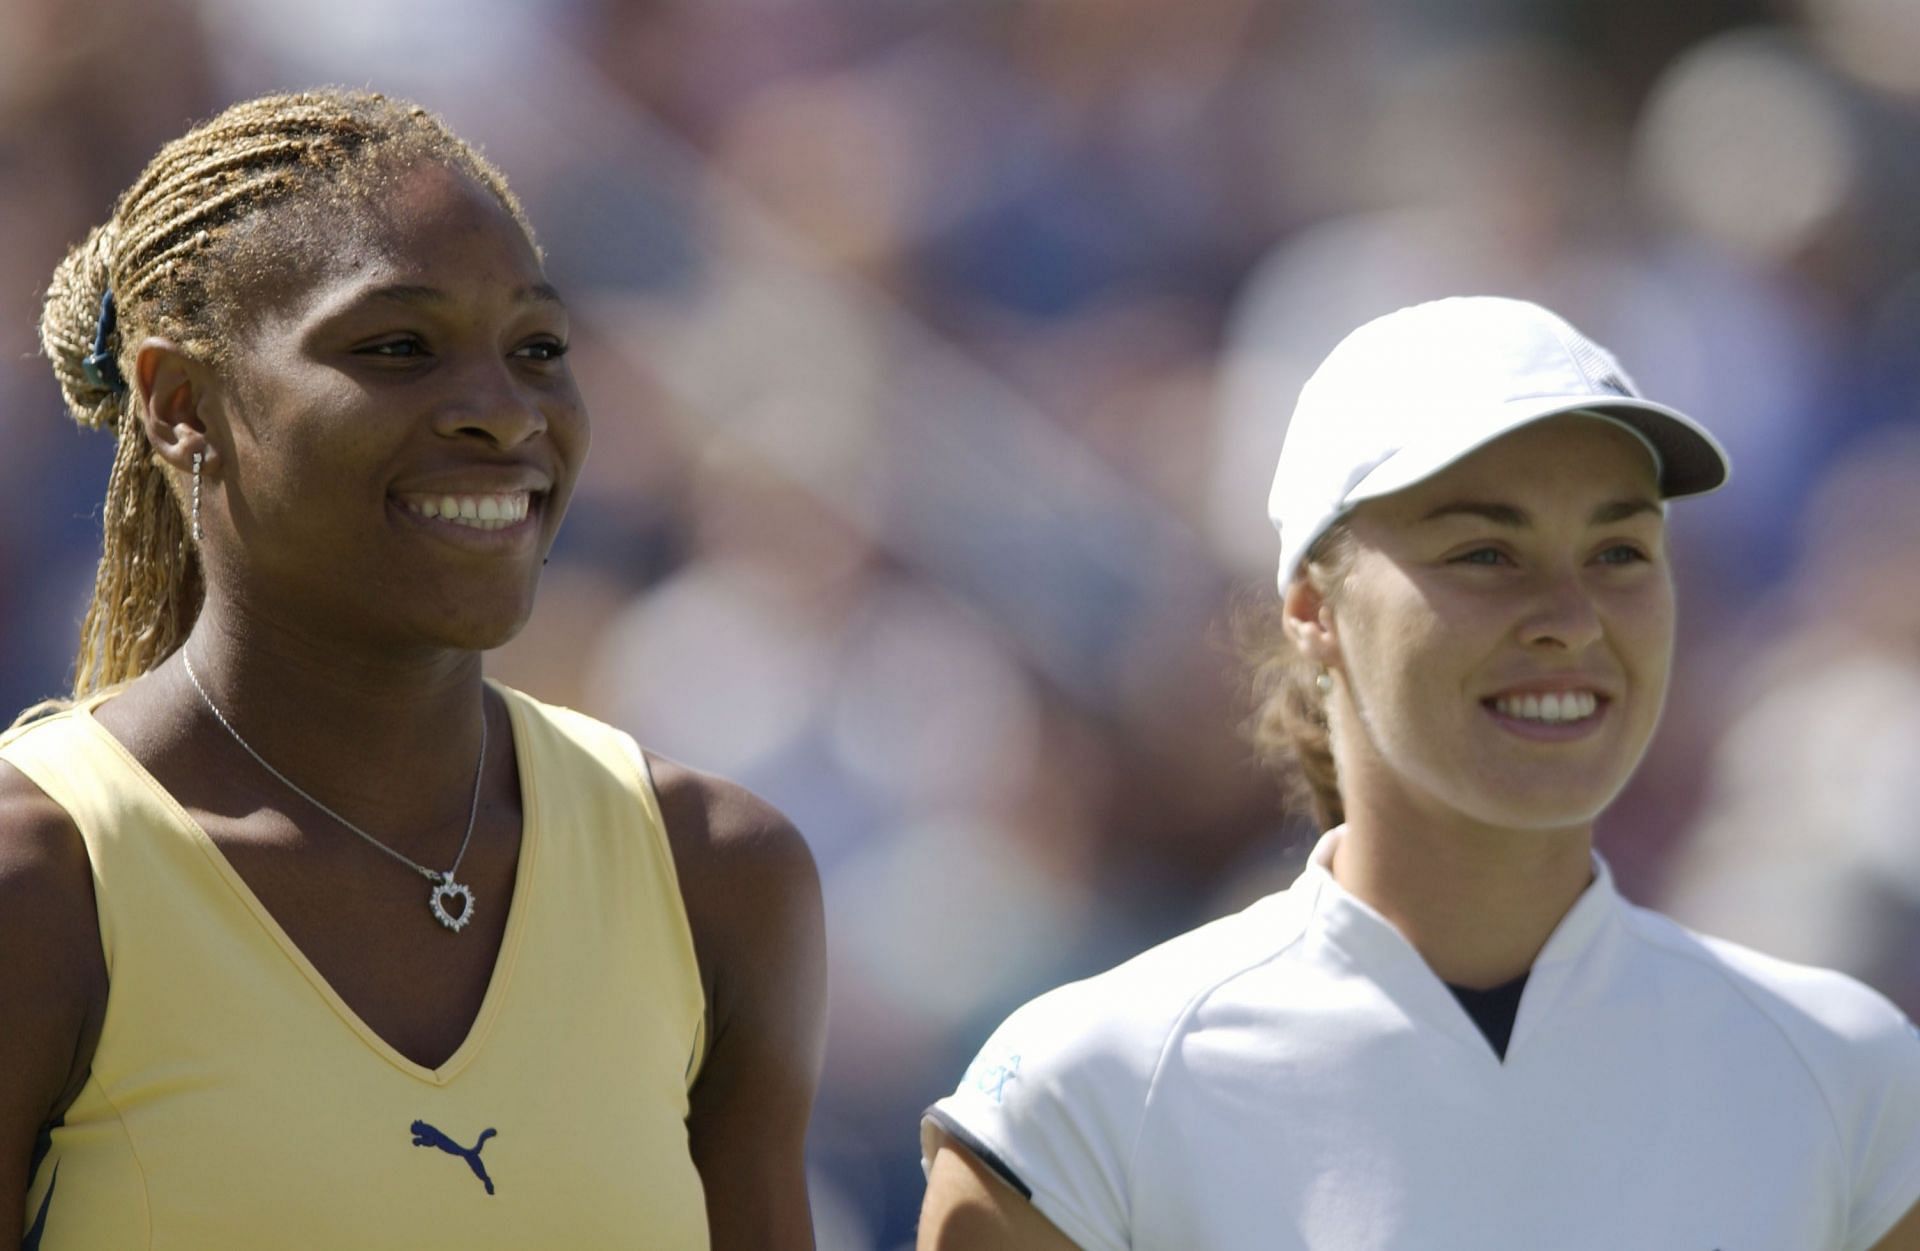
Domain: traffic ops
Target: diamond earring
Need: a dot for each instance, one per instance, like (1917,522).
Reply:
(196,497)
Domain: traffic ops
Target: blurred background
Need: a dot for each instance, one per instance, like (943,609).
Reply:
(940,350)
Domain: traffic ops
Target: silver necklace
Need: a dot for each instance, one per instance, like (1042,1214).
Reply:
(445,888)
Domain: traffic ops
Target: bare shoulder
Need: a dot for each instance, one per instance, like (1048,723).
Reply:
(44,870)
(47,911)
(719,828)
(753,903)
(751,888)
(53,983)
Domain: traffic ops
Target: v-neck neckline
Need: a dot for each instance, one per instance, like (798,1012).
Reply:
(498,981)
(1495,1009)
(1366,935)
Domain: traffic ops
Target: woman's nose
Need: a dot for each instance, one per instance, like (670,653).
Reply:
(1564,615)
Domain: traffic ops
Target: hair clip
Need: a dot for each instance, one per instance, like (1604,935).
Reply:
(99,366)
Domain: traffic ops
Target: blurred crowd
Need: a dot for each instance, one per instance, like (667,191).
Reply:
(940,351)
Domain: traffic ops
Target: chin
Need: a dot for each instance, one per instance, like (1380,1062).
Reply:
(488,640)
(474,630)
(1543,808)
(1546,820)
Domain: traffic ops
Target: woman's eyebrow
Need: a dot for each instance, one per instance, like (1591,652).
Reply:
(1514,517)
(1499,514)
(417,293)
(1620,510)
(422,296)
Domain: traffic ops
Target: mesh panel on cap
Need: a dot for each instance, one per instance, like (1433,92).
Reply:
(1599,368)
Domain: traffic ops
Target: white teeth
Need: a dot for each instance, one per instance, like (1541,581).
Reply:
(477,512)
(1552,707)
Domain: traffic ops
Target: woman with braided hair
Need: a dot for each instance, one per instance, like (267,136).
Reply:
(234,1013)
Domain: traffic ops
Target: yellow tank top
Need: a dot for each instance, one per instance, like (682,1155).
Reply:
(237,1103)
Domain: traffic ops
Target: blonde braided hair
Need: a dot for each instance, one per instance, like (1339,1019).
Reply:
(178,254)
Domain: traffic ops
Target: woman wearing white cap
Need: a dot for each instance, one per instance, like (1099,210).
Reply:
(1451,1031)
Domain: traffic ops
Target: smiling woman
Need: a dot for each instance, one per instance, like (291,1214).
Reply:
(319,329)
(1451,1031)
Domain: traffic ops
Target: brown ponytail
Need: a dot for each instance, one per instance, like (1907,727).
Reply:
(1289,727)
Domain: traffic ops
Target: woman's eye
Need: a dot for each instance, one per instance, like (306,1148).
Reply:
(1481,556)
(543,350)
(394,349)
(1622,554)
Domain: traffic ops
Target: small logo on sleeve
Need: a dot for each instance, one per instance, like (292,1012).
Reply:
(425,1135)
(990,1077)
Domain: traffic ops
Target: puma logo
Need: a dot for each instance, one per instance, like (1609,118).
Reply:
(425,1135)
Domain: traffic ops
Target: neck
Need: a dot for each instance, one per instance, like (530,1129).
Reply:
(1477,902)
(381,736)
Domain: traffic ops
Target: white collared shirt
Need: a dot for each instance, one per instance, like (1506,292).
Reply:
(1295,1077)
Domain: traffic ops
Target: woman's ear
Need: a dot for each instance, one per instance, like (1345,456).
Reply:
(1310,621)
(176,395)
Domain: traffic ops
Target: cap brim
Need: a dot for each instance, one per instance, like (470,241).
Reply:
(1691,461)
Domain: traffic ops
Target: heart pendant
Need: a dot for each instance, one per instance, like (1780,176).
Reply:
(447,891)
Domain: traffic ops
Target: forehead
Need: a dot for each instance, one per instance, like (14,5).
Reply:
(1569,460)
(425,223)
(423,209)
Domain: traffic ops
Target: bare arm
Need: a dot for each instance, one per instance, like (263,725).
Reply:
(53,980)
(970,1208)
(1905,1236)
(753,899)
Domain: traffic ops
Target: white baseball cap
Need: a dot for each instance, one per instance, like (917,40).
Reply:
(1410,393)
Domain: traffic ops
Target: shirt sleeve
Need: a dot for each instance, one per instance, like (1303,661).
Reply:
(1053,1104)
(1882,1123)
